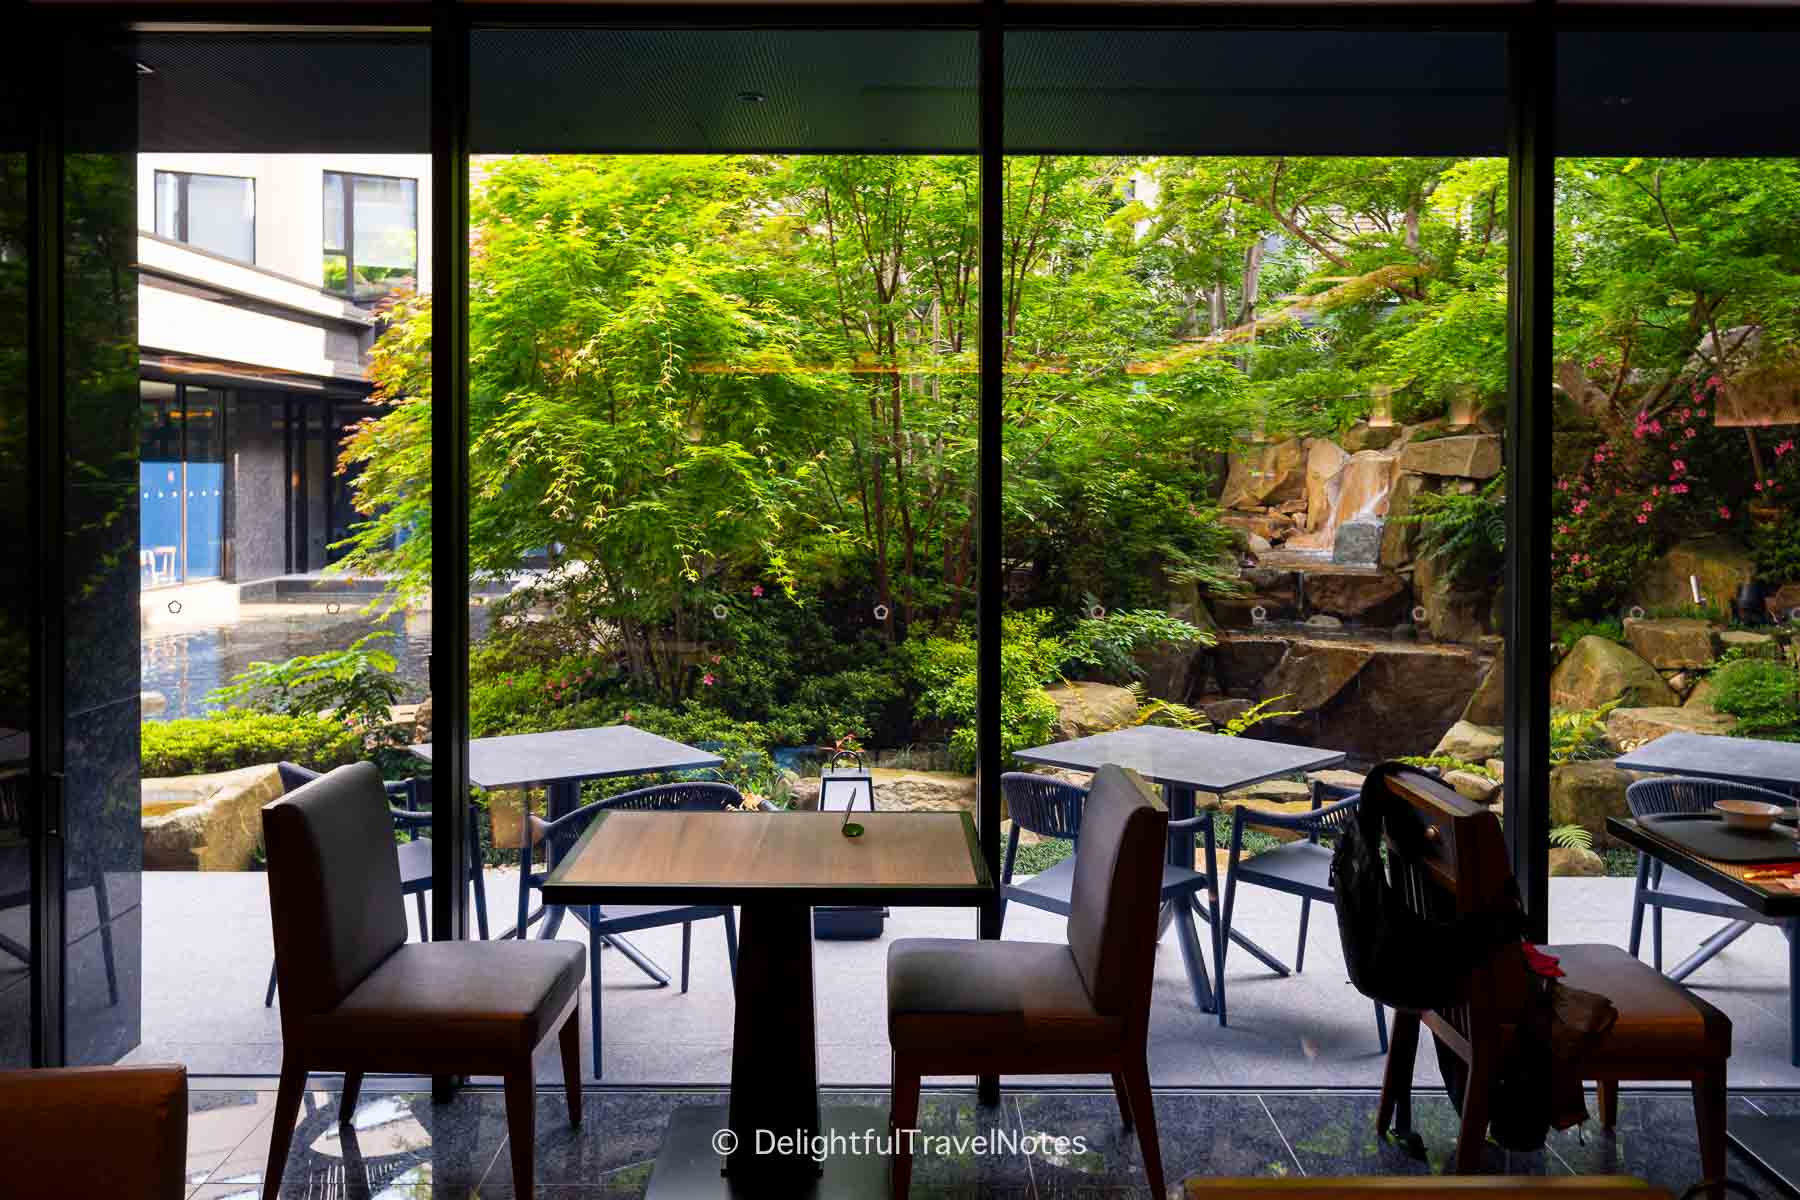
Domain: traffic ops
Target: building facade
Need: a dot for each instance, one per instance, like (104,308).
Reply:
(263,280)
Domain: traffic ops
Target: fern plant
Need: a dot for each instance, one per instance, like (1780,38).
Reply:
(1578,733)
(1152,711)
(1256,714)
(1571,837)
(1465,535)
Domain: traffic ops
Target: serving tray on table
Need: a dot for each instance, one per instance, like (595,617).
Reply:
(1707,835)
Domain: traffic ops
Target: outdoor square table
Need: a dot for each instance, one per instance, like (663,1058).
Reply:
(1710,756)
(560,762)
(1772,1141)
(776,866)
(1185,761)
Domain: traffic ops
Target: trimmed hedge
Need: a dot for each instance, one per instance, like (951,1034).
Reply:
(239,737)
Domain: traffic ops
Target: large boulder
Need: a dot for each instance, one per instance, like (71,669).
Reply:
(1488,705)
(1084,708)
(1701,698)
(1313,672)
(1470,456)
(1573,860)
(1749,644)
(1276,475)
(1402,701)
(1586,793)
(1451,614)
(206,822)
(1472,743)
(1719,563)
(904,791)
(1364,436)
(1366,597)
(1278,797)
(1324,459)
(1785,602)
(1597,671)
(1671,644)
(1629,728)
(1242,661)
(1399,537)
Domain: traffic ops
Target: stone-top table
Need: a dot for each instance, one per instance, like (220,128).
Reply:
(1713,756)
(1185,761)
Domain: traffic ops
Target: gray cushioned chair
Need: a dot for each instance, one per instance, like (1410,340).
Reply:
(94,1131)
(1036,1008)
(356,997)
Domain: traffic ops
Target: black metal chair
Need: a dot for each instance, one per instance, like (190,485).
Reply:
(412,816)
(610,922)
(1299,868)
(1051,808)
(1658,888)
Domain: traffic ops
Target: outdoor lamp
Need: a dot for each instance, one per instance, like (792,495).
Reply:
(842,787)
(1462,404)
(1381,406)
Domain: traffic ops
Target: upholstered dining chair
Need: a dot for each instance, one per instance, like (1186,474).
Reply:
(1659,887)
(1460,868)
(411,816)
(1034,1008)
(609,923)
(357,997)
(47,1139)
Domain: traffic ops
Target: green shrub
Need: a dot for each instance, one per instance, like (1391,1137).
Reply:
(356,682)
(1107,644)
(1762,694)
(944,669)
(1777,550)
(1465,535)
(856,703)
(240,737)
(1610,628)
(1446,762)
(1578,733)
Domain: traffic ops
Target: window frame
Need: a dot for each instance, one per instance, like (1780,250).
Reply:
(348,251)
(183,206)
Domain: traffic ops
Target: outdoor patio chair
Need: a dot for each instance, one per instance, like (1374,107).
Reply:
(47,1141)
(413,814)
(1041,1008)
(356,996)
(1051,808)
(1299,868)
(1460,869)
(1659,888)
(609,923)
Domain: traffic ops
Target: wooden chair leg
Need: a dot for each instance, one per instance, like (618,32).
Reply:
(571,1063)
(903,1114)
(1124,1097)
(1137,1084)
(521,1128)
(1473,1135)
(1396,1082)
(288,1095)
(1709,1117)
(1606,1095)
(353,1081)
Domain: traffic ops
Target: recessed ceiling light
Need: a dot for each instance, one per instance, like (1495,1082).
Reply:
(752,97)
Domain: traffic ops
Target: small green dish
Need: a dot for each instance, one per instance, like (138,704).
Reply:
(852,829)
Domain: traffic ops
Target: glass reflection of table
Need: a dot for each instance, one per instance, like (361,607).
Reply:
(776,866)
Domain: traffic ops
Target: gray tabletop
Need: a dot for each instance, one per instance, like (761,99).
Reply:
(571,754)
(1710,756)
(1209,762)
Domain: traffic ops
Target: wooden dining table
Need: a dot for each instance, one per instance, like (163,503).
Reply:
(776,866)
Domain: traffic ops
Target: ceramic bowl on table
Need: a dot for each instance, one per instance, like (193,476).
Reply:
(1748,814)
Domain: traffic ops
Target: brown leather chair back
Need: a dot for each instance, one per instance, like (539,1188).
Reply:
(1461,869)
(94,1131)
(1114,897)
(334,887)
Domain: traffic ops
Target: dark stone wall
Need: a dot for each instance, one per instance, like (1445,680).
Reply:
(259,491)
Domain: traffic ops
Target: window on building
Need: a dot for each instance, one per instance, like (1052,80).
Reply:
(371,235)
(216,213)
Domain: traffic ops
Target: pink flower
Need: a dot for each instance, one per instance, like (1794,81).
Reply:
(1687,414)
(708,679)
(1642,519)
(1599,457)
(1724,513)
(1688,432)
(1680,464)
(1759,485)
(1713,383)
(716,660)
(1700,412)
(1580,507)
(1562,529)
(1647,506)
(756,590)
(627,714)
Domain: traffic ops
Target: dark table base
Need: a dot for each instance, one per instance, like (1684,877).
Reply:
(1774,1142)
(688,1167)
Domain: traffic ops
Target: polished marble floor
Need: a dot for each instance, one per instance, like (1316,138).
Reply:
(401,1146)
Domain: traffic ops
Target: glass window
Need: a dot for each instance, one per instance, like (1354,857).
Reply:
(371,235)
(216,213)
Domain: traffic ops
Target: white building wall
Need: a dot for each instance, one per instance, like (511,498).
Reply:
(290,201)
